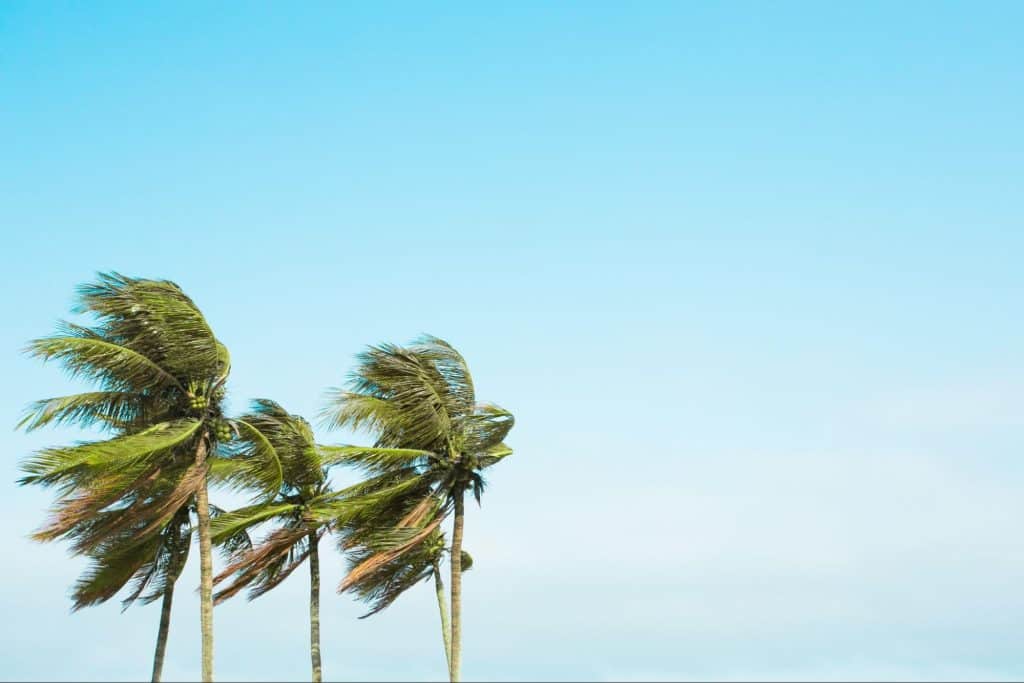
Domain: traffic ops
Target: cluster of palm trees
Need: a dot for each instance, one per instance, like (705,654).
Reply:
(132,502)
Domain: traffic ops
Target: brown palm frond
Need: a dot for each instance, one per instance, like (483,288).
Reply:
(418,513)
(249,565)
(82,506)
(382,558)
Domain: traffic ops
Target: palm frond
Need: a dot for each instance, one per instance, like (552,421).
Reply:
(155,317)
(364,502)
(143,510)
(163,570)
(51,465)
(381,588)
(110,571)
(131,556)
(374,460)
(92,357)
(233,544)
(494,455)
(486,427)
(292,438)
(229,524)
(452,367)
(110,408)
(266,565)
(358,411)
(257,463)
(379,559)
(422,407)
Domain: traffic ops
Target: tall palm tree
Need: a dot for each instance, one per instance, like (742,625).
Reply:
(433,440)
(160,375)
(300,509)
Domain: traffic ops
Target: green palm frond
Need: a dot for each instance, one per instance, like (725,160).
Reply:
(375,460)
(494,455)
(157,318)
(362,503)
(292,438)
(111,409)
(93,357)
(485,427)
(254,462)
(453,369)
(358,411)
(223,361)
(229,524)
(421,404)
(51,465)
(230,545)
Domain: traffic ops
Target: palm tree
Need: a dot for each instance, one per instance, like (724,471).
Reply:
(300,509)
(160,375)
(433,440)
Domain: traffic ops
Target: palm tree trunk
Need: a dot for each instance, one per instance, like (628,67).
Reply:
(314,606)
(161,636)
(446,625)
(205,569)
(453,669)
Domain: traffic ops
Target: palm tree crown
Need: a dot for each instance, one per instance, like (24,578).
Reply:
(160,374)
(124,501)
(269,433)
(300,508)
(433,442)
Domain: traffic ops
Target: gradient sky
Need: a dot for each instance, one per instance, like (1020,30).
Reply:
(748,274)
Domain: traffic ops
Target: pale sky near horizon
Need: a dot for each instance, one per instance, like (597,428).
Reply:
(748,274)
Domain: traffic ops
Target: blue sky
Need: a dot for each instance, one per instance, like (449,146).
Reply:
(748,274)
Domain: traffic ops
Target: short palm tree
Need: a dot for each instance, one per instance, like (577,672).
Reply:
(433,440)
(160,375)
(300,509)
(386,584)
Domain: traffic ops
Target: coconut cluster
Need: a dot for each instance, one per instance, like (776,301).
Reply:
(223,431)
(197,402)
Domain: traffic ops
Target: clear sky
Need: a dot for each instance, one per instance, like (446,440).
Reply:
(748,274)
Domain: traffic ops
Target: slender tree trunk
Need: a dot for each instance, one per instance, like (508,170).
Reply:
(314,607)
(161,636)
(205,569)
(446,625)
(457,586)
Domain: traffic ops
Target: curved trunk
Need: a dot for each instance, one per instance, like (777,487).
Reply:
(205,569)
(446,625)
(314,607)
(161,636)
(456,558)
